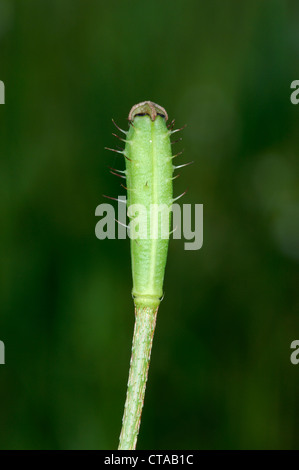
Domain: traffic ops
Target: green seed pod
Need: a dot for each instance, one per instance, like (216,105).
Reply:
(149,175)
(149,171)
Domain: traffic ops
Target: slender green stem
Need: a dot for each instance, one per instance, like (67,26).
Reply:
(145,322)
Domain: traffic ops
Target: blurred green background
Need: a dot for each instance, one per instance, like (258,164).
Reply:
(220,375)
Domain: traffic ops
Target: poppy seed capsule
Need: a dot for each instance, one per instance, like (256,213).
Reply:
(149,172)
